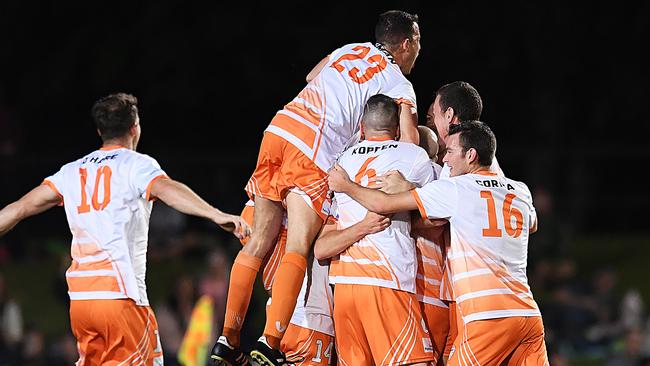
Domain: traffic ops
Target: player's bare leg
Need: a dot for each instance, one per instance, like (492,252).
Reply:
(267,221)
(303,227)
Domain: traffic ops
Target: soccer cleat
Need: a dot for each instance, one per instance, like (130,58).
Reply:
(224,354)
(264,355)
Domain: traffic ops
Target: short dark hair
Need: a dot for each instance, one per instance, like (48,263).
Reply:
(115,114)
(381,113)
(394,26)
(478,136)
(463,98)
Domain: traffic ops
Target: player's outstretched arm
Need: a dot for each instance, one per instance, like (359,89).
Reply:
(408,124)
(372,199)
(180,197)
(333,241)
(36,201)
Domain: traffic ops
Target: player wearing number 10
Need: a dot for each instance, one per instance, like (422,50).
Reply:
(298,147)
(107,196)
(490,220)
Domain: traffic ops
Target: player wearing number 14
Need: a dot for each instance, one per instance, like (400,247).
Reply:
(107,196)
(300,144)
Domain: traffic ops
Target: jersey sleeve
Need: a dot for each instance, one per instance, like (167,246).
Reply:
(403,93)
(55,182)
(422,171)
(145,171)
(438,199)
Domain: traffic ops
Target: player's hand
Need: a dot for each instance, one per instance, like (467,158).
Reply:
(374,222)
(338,179)
(392,182)
(234,224)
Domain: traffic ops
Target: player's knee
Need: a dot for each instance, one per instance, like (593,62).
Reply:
(259,248)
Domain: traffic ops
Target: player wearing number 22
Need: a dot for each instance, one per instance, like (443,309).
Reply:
(107,196)
(300,144)
(490,220)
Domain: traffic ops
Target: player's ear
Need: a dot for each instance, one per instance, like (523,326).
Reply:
(471,155)
(450,114)
(405,44)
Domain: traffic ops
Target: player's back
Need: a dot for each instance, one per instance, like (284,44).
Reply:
(386,258)
(107,204)
(491,217)
(324,118)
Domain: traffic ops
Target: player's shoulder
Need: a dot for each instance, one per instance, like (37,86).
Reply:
(412,150)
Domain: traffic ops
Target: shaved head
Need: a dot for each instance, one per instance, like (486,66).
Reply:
(381,114)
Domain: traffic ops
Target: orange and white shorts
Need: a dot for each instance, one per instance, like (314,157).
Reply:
(282,167)
(304,346)
(437,321)
(379,326)
(115,332)
(272,260)
(503,341)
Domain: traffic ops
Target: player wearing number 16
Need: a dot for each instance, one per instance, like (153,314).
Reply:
(490,220)
(107,196)
(300,144)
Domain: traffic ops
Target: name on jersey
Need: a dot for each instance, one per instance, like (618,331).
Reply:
(493,183)
(97,160)
(371,149)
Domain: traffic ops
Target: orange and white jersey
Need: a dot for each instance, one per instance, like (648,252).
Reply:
(490,217)
(107,203)
(429,249)
(324,118)
(314,308)
(387,258)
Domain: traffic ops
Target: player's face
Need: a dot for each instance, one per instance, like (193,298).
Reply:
(455,157)
(414,49)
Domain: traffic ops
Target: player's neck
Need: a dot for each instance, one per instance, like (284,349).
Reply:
(126,143)
(379,136)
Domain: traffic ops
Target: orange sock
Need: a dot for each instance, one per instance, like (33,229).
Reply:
(242,278)
(286,287)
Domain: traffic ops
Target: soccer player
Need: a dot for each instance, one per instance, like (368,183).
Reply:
(377,316)
(299,146)
(107,196)
(490,219)
(309,338)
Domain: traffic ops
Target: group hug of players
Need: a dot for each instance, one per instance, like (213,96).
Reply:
(381,242)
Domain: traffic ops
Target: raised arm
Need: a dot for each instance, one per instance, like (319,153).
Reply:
(36,201)
(408,124)
(372,199)
(180,197)
(316,70)
(333,241)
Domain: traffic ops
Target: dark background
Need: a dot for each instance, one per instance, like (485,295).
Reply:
(565,88)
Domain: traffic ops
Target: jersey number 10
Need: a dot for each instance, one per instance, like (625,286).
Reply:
(103,174)
(509,213)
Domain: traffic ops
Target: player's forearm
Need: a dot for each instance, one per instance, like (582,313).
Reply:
(408,124)
(335,241)
(410,134)
(180,197)
(9,217)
